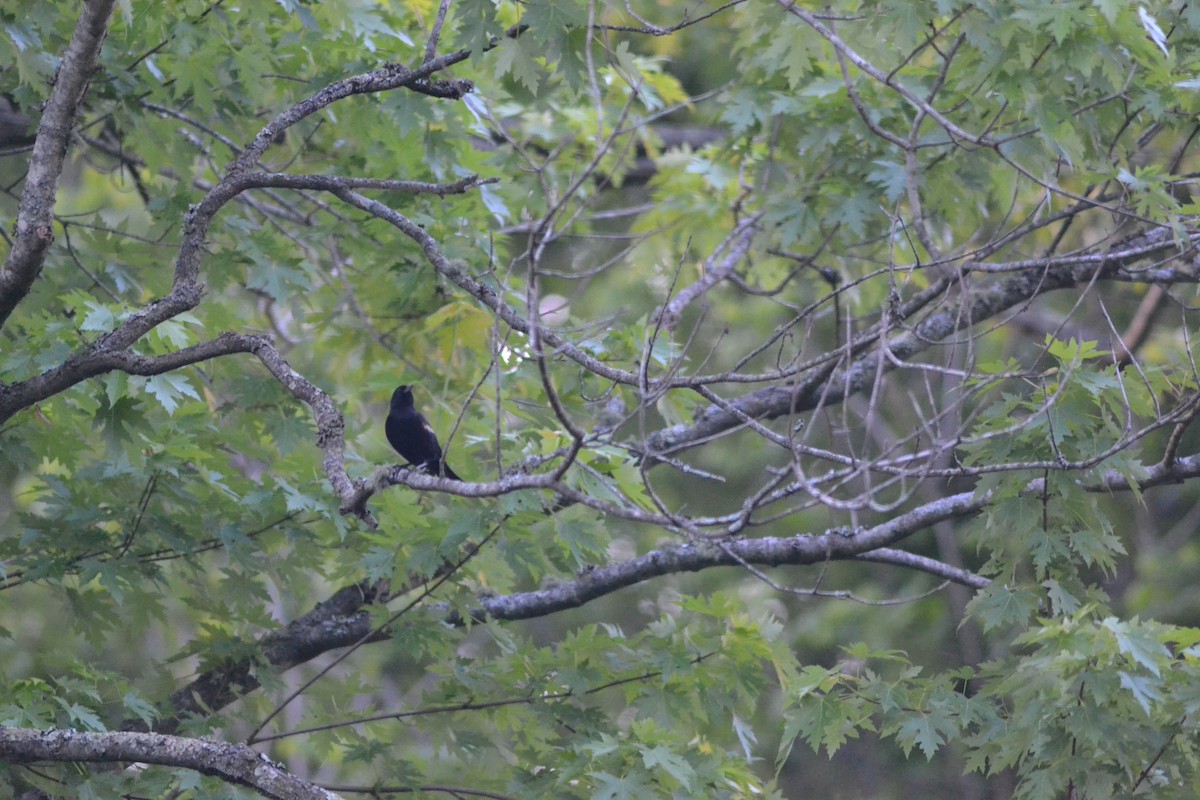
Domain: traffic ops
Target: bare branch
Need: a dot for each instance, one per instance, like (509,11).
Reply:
(345,619)
(233,763)
(34,231)
(978,303)
(333,183)
(902,558)
(734,246)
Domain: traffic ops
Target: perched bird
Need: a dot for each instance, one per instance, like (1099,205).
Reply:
(410,434)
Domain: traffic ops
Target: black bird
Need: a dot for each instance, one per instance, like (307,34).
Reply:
(410,434)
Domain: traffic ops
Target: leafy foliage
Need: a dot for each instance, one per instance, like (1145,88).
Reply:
(716,309)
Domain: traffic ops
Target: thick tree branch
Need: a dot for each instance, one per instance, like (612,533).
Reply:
(386,78)
(835,544)
(340,621)
(34,230)
(90,362)
(233,763)
(111,350)
(977,303)
(95,361)
(345,618)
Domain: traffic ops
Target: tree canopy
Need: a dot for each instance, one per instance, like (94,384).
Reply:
(821,381)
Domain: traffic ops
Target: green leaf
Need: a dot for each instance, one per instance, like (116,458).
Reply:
(612,787)
(1062,601)
(656,758)
(120,420)
(919,730)
(1139,643)
(1144,690)
(548,20)
(998,605)
(167,389)
(513,58)
(823,721)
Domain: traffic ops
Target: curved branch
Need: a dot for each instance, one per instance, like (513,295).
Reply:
(903,558)
(34,231)
(887,80)
(977,304)
(734,246)
(346,617)
(95,361)
(233,763)
(341,621)
(835,544)
(89,363)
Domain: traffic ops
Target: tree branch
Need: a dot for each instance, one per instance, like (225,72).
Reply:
(977,303)
(734,246)
(34,231)
(233,763)
(91,362)
(345,618)
(903,558)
